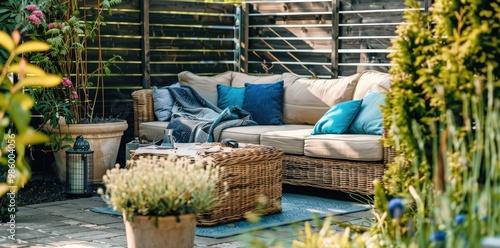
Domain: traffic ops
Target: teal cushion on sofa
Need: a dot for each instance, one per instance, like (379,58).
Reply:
(264,102)
(338,118)
(369,118)
(163,102)
(230,96)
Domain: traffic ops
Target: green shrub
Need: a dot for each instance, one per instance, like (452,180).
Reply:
(433,69)
(15,109)
(443,118)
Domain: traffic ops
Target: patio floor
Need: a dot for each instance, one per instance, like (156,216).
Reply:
(70,223)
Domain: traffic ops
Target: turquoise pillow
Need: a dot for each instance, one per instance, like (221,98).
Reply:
(338,118)
(163,102)
(230,96)
(264,102)
(369,118)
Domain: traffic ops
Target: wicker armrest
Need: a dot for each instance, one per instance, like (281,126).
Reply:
(389,152)
(143,108)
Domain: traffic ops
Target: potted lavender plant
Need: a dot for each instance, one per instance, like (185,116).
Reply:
(160,197)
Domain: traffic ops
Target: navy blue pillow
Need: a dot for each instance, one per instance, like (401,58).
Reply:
(338,118)
(264,102)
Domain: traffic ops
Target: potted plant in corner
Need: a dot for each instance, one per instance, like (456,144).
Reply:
(160,197)
(70,110)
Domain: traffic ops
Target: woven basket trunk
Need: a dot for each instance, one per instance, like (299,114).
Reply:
(252,173)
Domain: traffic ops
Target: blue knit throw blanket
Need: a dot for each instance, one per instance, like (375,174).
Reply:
(194,119)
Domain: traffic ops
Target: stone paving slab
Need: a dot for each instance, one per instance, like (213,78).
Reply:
(68,229)
(117,225)
(70,223)
(101,219)
(116,241)
(26,234)
(101,235)
(39,218)
(56,210)
(28,211)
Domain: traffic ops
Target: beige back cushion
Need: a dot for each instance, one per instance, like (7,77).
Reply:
(206,86)
(307,100)
(239,79)
(372,80)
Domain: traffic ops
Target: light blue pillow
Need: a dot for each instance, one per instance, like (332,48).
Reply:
(163,102)
(230,96)
(338,118)
(369,118)
(264,102)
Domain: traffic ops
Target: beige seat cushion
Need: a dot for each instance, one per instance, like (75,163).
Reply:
(152,128)
(290,138)
(372,80)
(205,86)
(248,134)
(359,147)
(305,101)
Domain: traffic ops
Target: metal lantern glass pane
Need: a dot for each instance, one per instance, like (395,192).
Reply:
(79,168)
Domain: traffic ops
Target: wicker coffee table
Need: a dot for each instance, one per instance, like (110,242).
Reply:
(251,172)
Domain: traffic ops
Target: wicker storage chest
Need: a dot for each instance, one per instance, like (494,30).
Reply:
(251,171)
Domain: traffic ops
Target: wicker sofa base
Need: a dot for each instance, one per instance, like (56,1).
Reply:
(342,175)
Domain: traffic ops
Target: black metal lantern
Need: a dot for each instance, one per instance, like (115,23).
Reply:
(79,168)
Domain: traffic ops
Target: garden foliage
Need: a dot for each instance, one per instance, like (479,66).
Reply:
(15,130)
(443,119)
(439,58)
(69,27)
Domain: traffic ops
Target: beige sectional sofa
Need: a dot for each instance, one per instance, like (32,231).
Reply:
(344,162)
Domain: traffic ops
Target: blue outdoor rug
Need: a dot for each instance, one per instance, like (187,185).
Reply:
(295,208)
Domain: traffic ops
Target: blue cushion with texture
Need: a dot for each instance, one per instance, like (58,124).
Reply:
(369,118)
(264,102)
(338,118)
(230,96)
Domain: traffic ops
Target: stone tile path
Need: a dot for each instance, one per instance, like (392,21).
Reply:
(70,223)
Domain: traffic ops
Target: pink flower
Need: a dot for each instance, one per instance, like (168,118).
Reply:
(51,26)
(74,95)
(38,13)
(66,82)
(59,26)
(34,19)
(31,7)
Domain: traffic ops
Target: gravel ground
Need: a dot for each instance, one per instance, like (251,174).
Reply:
(46,190)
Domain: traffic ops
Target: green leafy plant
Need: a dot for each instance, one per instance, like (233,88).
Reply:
(15,108)
(11,15)
(442,114)
(68,26)
(68,30)
(438,57)
(157,186)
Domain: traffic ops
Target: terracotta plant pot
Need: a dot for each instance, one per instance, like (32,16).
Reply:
(170,233)
(104,140)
